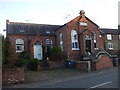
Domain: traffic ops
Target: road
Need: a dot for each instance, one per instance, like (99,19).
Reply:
(107,78)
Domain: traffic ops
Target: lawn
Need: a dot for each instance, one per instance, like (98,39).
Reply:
(43,75)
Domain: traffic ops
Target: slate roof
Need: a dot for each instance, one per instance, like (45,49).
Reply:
(110,31)
(31,29)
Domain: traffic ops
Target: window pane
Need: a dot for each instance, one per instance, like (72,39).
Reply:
(74,39)
(19,41)
(76,44)
(61,41)
(49,43)
(94,45)
(19,48)
(19,45)
(73,45)
(110,46)
(109,37)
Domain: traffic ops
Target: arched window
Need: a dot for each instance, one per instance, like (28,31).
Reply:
(94,36)
(19,45)
(61,41)
(74,39)
(49,43)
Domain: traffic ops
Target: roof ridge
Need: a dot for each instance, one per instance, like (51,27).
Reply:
(31,23)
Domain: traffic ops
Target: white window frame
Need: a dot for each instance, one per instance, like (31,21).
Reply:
(83,23)
(61,41)
(20,44)
(75,44)
(49,43)
(110,46)
(109,37)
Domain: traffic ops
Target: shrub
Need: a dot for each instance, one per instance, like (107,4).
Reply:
(20,63)
(24,55)
(56,54)
(5,50)
(8,52)
(32,64)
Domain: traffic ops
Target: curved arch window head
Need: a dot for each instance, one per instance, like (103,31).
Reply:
(61,41)
(49,43)
(19,45)
(74,39)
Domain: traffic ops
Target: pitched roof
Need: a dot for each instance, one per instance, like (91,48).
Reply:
(110,31)
(31,29)
(78,17)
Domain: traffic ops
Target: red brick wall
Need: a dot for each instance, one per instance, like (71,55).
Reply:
(82,66)
(14,75)
(66,31)
(104,62)
(74,25)
(27,41)
(56,64)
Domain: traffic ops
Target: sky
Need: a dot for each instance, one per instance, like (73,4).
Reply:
(58,12)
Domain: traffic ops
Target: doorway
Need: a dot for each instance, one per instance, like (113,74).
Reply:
(88,44)
(38,50)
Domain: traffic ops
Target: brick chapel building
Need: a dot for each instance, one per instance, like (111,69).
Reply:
(77,38)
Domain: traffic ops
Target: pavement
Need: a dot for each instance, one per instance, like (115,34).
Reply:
(107,78)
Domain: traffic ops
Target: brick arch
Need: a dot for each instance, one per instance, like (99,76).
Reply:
(34,39)
(37,38)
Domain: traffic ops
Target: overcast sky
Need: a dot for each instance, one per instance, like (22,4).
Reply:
(58,12)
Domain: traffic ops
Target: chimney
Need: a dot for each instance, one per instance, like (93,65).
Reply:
(83,18)
(7,21)
(82,13)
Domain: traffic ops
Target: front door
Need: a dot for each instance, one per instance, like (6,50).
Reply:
(38,52)
(88,46)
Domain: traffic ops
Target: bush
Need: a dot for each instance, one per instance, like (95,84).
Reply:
(5,50)
(56,54)
(20,63)
(24,55)
(32,64)
(29,63)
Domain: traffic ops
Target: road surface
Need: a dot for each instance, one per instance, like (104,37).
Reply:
(107,78)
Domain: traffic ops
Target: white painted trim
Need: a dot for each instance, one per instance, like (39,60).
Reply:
(75,49)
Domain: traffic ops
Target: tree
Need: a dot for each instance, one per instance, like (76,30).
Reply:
(5,50)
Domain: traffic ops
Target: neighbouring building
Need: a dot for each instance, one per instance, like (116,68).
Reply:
(111,40)
(78,38)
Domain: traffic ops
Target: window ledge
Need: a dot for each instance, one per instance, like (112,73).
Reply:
(18,51)
(110,48)
(75,49)
(96,48)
